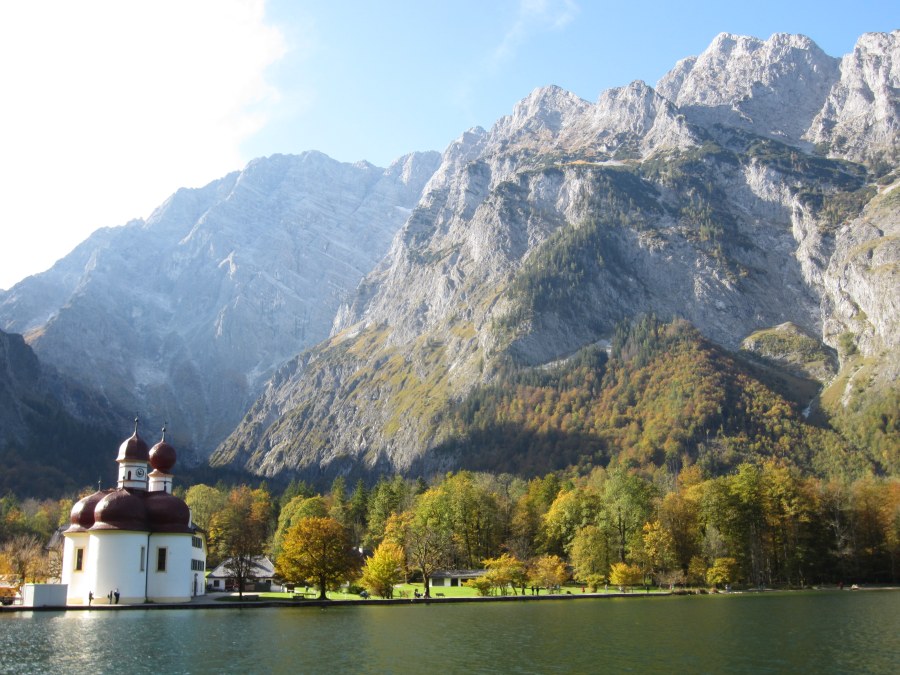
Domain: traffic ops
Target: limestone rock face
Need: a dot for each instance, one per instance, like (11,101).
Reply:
(861,115)
(702,200)
(185,316)
(861,295)
(787,88)
(774,87)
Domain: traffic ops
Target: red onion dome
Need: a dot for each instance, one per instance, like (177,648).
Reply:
(167,513)
(121,509)
(162,456)
(82,515)
(133,448)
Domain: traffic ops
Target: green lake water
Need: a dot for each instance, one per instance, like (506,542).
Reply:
(808,632)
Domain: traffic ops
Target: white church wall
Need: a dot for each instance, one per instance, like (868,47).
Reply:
(175,583)
(115,557)
(75,579)
(198,564)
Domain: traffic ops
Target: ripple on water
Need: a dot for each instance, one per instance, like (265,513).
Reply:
(788,632)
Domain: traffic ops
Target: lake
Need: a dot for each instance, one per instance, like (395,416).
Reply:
(815,631)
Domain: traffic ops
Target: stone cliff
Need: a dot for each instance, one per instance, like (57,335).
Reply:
(704,199)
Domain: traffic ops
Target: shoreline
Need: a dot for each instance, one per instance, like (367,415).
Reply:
(206,603)
(287,603)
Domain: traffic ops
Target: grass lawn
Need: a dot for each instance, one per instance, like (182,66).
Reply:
(400,591)
(408,591)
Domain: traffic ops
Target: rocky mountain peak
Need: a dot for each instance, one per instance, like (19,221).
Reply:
(539,236)
(541,115)
(464,149)
(637,118)
(744,82)
(414,169)
(861,116)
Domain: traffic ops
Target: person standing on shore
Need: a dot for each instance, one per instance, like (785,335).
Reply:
(116,594)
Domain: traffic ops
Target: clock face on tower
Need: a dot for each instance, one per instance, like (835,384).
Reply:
(139,473)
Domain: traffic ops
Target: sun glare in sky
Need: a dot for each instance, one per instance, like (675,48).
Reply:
(111,106)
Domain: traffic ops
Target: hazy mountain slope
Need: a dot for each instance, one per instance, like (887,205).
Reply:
(185,316)
(49,427)
(534,239)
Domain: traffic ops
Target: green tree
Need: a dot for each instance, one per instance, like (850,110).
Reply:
(387,498)
(723,571)
(238,532)
(504,571)
(657,549)
(205,502)
(473,516)
(384,569)
(624,575)
(428,536)
(628,501)
(734,519)
(697,568)
(789,516)
(572,509)
(318,550)
(337,500)
(591,555)
(548,571)
(299,507)
(357,511)
(296,488)
(679,515)
(483,585)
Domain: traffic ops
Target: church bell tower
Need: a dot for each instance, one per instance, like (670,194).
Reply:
(134,455)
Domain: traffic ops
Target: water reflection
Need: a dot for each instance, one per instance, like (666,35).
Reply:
(816,631)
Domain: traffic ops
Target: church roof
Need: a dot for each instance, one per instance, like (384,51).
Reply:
(134,448)
(163,455)
(134,509)
(82,515)
(122,509)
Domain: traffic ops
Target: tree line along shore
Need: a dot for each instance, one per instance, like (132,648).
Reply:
(763,525)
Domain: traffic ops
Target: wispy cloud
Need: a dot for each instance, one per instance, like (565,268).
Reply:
(533,17)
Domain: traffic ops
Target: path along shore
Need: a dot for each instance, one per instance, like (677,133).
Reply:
(217,601)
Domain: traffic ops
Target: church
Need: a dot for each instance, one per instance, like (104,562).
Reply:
(134,543)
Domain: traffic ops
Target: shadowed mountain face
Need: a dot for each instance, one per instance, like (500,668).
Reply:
(50,428)
(750,195)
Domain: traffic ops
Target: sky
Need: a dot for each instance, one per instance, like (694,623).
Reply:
(109,106)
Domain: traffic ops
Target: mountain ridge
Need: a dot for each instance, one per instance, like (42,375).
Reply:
(539,236)
(752,187)
(186,315)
